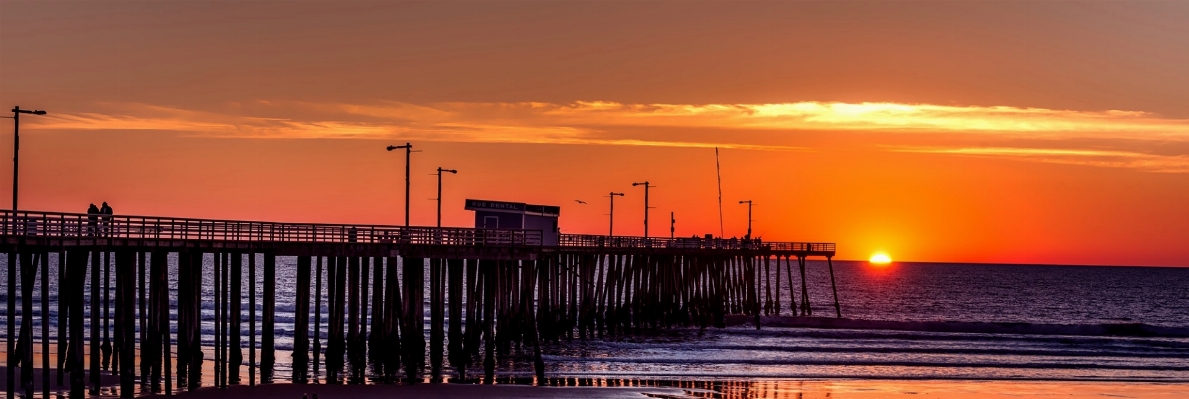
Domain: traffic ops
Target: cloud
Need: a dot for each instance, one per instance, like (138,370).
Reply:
(1087,157)
(602,122)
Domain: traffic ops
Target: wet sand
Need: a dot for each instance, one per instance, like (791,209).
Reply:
(431,391)
(858,389)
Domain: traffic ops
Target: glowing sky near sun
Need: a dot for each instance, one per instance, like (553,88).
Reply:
(1032,132)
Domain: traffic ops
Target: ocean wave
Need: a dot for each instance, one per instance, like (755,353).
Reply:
(1098,329)
(866,363)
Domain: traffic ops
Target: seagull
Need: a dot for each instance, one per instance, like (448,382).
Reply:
(580,202)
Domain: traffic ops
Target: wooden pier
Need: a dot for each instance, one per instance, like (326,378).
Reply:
(489,290)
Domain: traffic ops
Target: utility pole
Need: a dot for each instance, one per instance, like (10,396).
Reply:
(672,225)
(611,224)
(748,202)
(16,147)
(440,170)
(408,151)
(646,207)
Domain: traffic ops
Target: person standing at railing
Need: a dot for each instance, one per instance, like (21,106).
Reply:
(92,216)
(105,222)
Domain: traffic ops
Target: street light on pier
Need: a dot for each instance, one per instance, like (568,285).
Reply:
(408,151)
(748,202)
(672,224)
(611,224)
(440,170)
(16,146)
(646,207)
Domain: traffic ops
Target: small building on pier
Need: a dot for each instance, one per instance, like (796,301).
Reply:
(517,215)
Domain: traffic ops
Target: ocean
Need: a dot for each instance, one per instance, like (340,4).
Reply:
(1080,298)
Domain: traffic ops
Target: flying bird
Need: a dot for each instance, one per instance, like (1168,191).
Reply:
(580,202)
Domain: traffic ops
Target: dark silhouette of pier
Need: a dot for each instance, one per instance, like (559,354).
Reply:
(489,290)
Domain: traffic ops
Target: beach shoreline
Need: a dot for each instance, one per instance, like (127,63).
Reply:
(859,389)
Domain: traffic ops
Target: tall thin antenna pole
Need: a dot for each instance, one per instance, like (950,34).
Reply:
(646,207)
(718,170)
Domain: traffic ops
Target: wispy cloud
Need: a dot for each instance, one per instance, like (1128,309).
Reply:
(601,122)
(873,116)
(1088,157)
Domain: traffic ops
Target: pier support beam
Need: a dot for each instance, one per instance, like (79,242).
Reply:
(437,288)
(301,322)
(126,316)
(834,286)
(267,337)
(235,355)
(412,329)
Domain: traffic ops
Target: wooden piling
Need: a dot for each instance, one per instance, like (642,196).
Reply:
(251,319)
(376,340)
(28,268)
(454,272)
(217,322)
(11,352)
(63,324)
(126,291)
(360,362)
(471,336)
(834,286)
(142,308)
(235,356)
(317,314)
(76,277)
(488,269)
(412,329)
(436,316)
(337,276)
(194,344)
(806,310)
(352,315)
(392,320)
(95,351)
(106,287)
(301,321)
(267,351)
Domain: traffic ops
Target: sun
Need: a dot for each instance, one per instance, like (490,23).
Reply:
(880,259)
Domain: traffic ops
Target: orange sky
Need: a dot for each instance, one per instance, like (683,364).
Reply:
(1023,132)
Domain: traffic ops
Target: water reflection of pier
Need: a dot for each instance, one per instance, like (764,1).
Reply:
(489,290)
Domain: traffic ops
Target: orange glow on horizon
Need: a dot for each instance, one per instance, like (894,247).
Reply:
(880,259)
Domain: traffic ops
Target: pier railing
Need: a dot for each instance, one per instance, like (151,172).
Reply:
(598,241)
(94,226)
(88,226)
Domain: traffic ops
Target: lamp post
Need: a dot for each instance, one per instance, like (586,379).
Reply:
(611,224)
(16,146)
(646,207)
(408,151)
(440,170)
(748,202)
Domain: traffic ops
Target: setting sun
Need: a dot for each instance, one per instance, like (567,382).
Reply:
(880,259)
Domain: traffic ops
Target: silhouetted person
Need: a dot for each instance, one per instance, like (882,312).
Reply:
(92,216)
(105,223)
(352,234)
